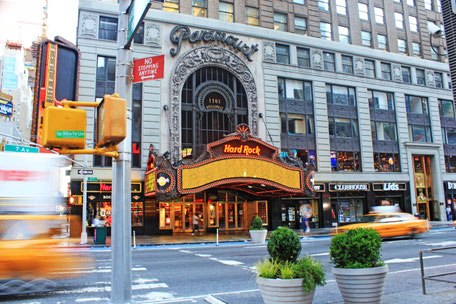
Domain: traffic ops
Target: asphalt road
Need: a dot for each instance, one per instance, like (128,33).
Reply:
(207,273)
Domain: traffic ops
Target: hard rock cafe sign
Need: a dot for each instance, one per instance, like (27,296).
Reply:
(181,33)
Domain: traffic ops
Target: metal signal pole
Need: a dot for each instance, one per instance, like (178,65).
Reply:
(121,175)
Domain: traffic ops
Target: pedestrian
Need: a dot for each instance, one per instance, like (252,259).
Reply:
(96,221)
(305,225)
(195,223)
(448,212)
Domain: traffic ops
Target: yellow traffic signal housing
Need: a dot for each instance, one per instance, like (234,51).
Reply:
(64,127)
(111,121)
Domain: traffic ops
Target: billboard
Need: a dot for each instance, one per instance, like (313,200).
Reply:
(9,81)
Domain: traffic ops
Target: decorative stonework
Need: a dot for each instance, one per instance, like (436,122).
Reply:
(359,66)
(89,25)
(397,72)
(152,34)
(196,59)
(269,51)
(317,59)
(430,81)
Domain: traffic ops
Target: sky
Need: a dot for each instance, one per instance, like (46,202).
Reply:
(20,20)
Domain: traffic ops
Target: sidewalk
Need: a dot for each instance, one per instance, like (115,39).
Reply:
(186,238)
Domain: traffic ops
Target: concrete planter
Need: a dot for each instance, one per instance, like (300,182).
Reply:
(278,291)
(364,285)
(258,236)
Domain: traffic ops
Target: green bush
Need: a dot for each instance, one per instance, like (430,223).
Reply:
(267,268)
(284,245)
(356,248)
(257,224)
(311,271)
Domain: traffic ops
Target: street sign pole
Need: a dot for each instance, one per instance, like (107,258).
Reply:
(84,206)
(121,176)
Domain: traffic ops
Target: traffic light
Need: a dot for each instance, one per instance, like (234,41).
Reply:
(64,128)
(111,126)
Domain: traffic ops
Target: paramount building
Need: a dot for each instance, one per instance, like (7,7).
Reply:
(279,109)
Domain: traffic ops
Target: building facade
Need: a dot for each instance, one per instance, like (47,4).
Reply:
(349,89)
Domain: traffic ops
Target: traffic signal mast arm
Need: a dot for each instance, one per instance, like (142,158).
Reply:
(110,150)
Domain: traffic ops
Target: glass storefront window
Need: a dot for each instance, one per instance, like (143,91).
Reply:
(212,215)
(165,215)
(137,215)
(350,210)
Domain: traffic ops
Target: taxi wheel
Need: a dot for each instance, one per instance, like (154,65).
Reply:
(413,234)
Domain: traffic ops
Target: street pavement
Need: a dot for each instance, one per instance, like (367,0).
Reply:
(444,293)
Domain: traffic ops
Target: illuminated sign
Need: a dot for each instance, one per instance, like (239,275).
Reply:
(242,149)
(451,186)
(349,187)
(149,183)
(389,186)
(107,187)
(211,173)
(319,187)
(165,180)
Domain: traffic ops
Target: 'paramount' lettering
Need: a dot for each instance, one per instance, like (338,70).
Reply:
(242,149)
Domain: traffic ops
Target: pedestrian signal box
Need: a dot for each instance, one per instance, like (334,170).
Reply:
(64,128)
(111,121)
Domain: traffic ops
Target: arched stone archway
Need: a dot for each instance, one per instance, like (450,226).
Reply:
(194,60)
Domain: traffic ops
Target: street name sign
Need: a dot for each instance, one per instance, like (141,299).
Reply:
(149,68)
(92,179)
(85,172)
(22,149)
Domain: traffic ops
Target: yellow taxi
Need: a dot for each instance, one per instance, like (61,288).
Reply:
(389,224)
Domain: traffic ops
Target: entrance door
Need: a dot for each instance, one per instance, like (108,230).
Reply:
(231,215)
(423,185)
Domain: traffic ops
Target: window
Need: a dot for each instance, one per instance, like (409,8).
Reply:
(343,127)
(387,162)
(413,24)
(323,5)
(383,130)
(446,108)
(251,16)
(381,100)
(340,95)
(406,77)
(295,89)
(296,124)
(416,105)
(450,163)
(402,46)
(416,49)
(282,53)
(303,57)
(411,2)
(344,34)
(226,12)
(106,76)
(280,22)
(199,8)
(171,6)
(366,39)
(299,2)
(428,5)
(379,15)
(399,20)
(108,28)
(345,161)
(347,64)
(139,36)
(325,31)
(420,133)
(438,80)
(386,71)
(369,67)
(420,80)
(329,61)
(382,43)
(363,11)
(341,7)
(300,26)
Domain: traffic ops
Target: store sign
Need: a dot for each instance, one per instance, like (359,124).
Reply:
(242,149)
(390,186)
(214,101)
(181,33)
(451,185)
(250,147)
(107,187)
(150,181)
(165,181)
(349,187)
(319,187)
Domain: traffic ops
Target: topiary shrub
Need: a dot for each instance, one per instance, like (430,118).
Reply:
(257,224)
(356,248)
(284,245)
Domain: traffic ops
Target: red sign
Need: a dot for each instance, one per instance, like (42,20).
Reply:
(148,68)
